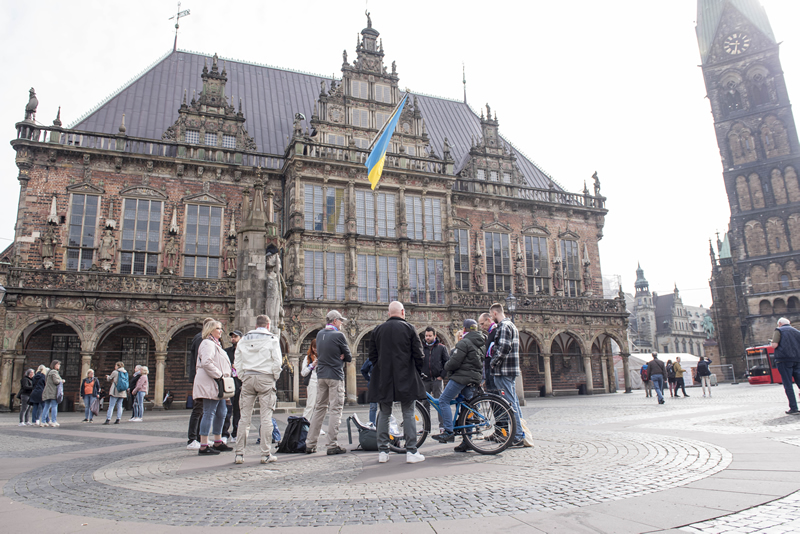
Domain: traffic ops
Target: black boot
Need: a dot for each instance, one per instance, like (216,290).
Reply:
(116,422)
(108,421)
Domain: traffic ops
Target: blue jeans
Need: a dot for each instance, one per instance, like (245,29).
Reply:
(373,412)
(114,401)
(788,371)
(138,404)
(37,408)
(452,390)
(508,385)
(214,411)
(658,384)
(51,408)
(87,400)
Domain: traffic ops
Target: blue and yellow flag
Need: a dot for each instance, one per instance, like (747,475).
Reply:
(377,157)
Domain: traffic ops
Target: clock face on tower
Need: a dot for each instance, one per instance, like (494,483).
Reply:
(736,43)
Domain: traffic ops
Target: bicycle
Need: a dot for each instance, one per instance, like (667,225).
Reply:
(486,423)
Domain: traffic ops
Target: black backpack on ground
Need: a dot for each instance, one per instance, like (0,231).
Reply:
(294,438)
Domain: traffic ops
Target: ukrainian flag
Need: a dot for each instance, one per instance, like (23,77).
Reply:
(377,157)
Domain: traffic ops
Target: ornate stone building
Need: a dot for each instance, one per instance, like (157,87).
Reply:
(755,279)
(159,208)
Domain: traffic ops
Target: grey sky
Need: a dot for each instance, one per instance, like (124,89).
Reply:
(578,86)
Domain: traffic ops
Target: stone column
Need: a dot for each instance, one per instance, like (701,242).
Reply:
(350,392)
(548,378)
(6,367)
(161,366)
(295,360)
(626,370)
(587,368)
(604,370)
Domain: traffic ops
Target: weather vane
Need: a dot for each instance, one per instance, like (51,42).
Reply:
(184,13)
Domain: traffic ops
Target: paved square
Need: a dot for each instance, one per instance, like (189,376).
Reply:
(721,464)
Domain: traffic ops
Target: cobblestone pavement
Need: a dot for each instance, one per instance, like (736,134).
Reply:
(589,451)
(781,516)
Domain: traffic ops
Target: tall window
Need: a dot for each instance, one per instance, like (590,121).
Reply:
(572,270)
(228,141)
(506,178)
(427,281)
(383,93)
(192,137)
(82,227)
(360,118)
(359,89)
(377,278)
(141,233)
(414,216)
(324,275)
(481,174)
(498,262)
(324,208)
(538,265)
(461,260)
(203,241)
(433,219)
(67,349)
(134,352)
(493,176)
(211,139)
(375,214)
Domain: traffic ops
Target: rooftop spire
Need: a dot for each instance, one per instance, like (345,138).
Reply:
(709,16)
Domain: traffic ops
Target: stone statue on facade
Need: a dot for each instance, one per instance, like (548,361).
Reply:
(708,326)
(558,278)
(170,256)
(596,184)
(587,281)
(49,244)
(229,258)
(275,289)
(108,249)
(477,274)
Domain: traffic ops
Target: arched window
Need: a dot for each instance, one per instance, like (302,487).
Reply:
(743,193)
(779,307)
(793,305)
(784,281)
(764,308)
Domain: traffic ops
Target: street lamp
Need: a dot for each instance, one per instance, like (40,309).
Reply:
(511,304)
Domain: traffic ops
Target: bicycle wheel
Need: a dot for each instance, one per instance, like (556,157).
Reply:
(397,440)
(489,424)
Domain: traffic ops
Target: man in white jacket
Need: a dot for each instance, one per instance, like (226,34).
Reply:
(258,365)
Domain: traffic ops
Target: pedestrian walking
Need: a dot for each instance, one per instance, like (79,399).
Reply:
(397,359)
(433,369)
(193,433)
(212,363)
(90,391)
(231,424)
(644,373)
(656,372)
(671,377)
(139,392)
(786,342)
(39,380)
(505,365)
(679,371)
(258,363)
(24,394)
(51,392)
(704,373)
(118,391)
(332,354)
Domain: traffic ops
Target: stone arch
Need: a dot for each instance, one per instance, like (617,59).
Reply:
(774,271)
(776,236)
(49,338)
(790,267)
(103,329)
(10,342)
(755,239)
(741,144)
(778,186)
(568,348)
(792,190)
(760,85)
(779,307)
(298,346)
(181,325)
(743,194)
(793,305)
(532,347)
(765,307)
(731,92)
(758,276)
(774,137)
(793,225)
(756,191)
(177,375)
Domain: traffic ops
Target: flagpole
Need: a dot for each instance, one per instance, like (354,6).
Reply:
(375,138)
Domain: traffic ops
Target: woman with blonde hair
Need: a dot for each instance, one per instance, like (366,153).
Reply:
(118,391)
(139,392)
(212,363)
(35,399)
(50,393)
(310,368)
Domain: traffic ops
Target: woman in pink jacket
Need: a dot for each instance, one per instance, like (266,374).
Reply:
(139,393)
(212,363)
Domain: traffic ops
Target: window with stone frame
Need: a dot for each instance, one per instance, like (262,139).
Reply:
(83,211)
(360,117)
(433,219)
(211,139)
(359,89)
(228,141)
(571,267)
(134,352)
(414,216)
(376,214)
(377,278)
(461,260)
(192,137)
(537,263)
(480,174)
(324,208)
(493,176)
(324,275)
(383,93)
(141,236)
(67,350)
(426,279)
(335,139)
(361,142)
(203,247)
(498,262)
(506,178)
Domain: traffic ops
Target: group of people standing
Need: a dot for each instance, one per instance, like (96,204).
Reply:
(655,371)
(40,394)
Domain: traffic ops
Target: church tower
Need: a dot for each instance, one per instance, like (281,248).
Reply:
(644,312)
(760,153)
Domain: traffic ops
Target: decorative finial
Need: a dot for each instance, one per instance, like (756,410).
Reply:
(232,231)
(464,80)
(57,122)
(122,128)
(173,226)
(52,217)
(240,104)
(184,96)
(369,19)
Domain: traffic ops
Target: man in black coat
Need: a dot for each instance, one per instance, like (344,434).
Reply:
(396,355)
(433,367)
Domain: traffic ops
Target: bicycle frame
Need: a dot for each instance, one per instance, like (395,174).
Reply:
(459,403)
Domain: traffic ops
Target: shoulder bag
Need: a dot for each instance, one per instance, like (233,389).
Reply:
(227,387)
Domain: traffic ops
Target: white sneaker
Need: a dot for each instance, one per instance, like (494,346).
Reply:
(224,439)
(383,457)
(55,425)
(194,445)
(413,458)
(268,459)
(22,424)
(239,459)
(321,432)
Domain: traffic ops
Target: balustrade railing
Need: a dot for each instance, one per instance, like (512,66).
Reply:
(552,196)
(358,155)
(526,304)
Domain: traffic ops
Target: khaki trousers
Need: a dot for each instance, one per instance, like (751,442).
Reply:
(261,387)
(329,392)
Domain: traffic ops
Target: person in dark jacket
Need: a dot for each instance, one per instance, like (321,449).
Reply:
(233,415)
(656,371)
(786,342)
(464,367)
(366,372)
(39,380)
(396,356)
(704,373)
(433,368)
(90,390)
(490,328)
(25,389)
(197,408)
(671,378)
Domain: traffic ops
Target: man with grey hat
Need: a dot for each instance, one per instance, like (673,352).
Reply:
(332,353)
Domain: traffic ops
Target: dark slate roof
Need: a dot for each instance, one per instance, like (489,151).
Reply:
(664,310)
(270,98)
(709,15)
